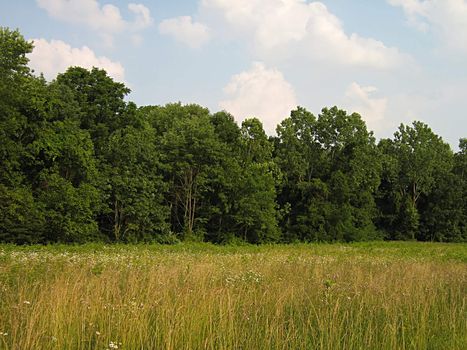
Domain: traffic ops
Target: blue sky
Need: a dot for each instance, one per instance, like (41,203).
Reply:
(392,61)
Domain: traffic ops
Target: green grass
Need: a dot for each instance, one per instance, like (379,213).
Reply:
(200,296)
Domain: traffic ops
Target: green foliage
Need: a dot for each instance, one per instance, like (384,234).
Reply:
(256,205)
(331,168)
(21,218)
(460,171)
(13,60)
(417,163)
(445,209)
(135,189)
(192,155)
(14,98)
(79,163)
(64,175)
(69,210)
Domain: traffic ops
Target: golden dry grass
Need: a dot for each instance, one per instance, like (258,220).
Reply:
(373,296)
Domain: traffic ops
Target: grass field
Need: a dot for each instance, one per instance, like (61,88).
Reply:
(357,296)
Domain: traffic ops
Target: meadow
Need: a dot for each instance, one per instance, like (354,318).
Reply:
(200,296)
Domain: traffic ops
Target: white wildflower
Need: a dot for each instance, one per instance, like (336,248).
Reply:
(113,345)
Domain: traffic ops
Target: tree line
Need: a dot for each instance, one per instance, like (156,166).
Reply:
(79,163)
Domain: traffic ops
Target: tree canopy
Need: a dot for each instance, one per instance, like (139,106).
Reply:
(79,162)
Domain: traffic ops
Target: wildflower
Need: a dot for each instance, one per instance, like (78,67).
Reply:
(98,333)
(113,345)
(3,334)
(27,302)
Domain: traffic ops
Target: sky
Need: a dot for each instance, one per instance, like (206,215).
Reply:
(392,61)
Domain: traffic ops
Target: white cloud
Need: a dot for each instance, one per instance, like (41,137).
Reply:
(143,16)
(260,92)
(446,18)
(307,28)
(106,19)
(184,30)
(413,9)
(359,99)
(51,58)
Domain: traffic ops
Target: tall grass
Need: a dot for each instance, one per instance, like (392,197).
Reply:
(373,296)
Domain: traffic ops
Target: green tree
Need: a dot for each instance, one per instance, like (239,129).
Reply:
(79,163)
(355,167)
(63,174)
(128,173)
(222,226)
(417,160)
(255,209)
(135,200)
(302,195)
(444,211)
(331,170)
(460,171)
(192,155)
(227,130)
(21,218)
(100,101)
(14,100)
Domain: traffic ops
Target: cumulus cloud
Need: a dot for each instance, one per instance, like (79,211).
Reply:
(142,14)
(51,58)
(359,99)
(413,9)
(106,19)
(260,92)
(184,30)
(308,28)
(446,18)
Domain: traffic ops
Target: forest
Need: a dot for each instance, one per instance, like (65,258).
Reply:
(80,163)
